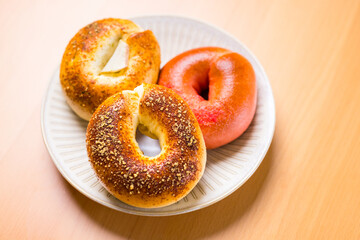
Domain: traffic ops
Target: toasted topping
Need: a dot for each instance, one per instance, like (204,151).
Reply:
(122,168)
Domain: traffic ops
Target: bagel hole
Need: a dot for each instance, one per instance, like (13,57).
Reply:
(149,146)
(205,93)
(202,87)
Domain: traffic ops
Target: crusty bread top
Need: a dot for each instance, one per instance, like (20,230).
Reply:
(88,52)
(118,161)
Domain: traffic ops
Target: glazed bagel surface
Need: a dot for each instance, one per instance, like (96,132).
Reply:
(220,87)
(119,163)
(83,82)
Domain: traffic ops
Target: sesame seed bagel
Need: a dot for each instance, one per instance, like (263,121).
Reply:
(84,83)
(120,165)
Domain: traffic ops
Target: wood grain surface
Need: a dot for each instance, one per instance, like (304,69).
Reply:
(307,186)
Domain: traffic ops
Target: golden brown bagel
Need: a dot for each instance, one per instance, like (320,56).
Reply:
(83,83)
(220,87)
(120,165)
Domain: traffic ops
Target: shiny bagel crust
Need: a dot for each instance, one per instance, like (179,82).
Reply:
(232,93)
(121,167)
(84,85)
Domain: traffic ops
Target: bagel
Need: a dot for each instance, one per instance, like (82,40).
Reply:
(85,75)
(119,164)
(220,87)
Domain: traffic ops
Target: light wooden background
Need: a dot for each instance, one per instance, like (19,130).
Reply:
(308,186)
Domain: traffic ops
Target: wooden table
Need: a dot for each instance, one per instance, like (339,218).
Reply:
(308,186)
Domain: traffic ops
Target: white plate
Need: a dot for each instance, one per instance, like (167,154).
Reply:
(227,167)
